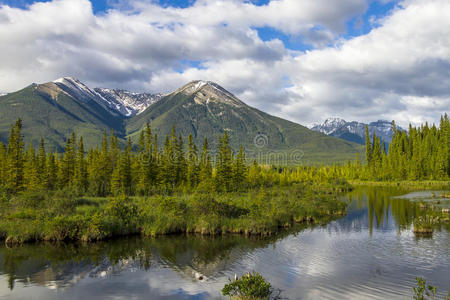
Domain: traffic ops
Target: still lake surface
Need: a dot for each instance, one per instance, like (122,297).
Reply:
(371,253)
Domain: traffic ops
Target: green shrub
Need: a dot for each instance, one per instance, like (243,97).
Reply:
(31,199)
(62,228)
(123,209)
(4,195)
(249,286)
(206,205)
(423,291)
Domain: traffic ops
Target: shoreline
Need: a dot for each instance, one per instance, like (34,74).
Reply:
(404,183)
(251,213)
(307,221)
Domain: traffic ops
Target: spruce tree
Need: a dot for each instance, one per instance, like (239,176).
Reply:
(51,172)
(143,165)
(42,166)
(240,169)
(30,174)
(2,164)
(205,166)
(224,164)
(376,156)
(68,163)
(192,163)
(168,172)
(81,175)
(180,162)
(15,158)
(368,148)
(155,160)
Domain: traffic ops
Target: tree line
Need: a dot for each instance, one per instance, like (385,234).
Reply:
(146,168)
(132,170)
(420,153)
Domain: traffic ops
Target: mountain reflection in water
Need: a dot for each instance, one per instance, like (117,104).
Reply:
(369,254)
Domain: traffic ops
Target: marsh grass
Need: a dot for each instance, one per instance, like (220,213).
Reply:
(413,184)
(57,217)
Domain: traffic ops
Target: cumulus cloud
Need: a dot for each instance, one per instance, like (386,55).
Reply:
(398,70)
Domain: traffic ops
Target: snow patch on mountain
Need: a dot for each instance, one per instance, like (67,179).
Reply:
(74,86)
(331,124)
(355,131)
(113,100)
(127,103)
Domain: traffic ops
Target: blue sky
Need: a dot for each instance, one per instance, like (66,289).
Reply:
(303,60)
(356,26)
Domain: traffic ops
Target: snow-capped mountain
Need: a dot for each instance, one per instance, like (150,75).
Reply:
(76,88)
(330,125)
(127,103)
(355,131)
(206,92)
(202,109)
(120,102)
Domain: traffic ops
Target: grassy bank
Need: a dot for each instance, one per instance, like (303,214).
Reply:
(421,184)
(63,216)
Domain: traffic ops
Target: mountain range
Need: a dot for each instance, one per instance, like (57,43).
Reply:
(202,108)
(355,131)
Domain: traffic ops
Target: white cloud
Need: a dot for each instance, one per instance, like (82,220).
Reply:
(399,70)
(385,73)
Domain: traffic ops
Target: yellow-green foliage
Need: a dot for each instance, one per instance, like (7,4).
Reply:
(249,286)
(259,211)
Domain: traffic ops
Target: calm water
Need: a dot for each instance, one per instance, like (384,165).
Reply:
(369,254)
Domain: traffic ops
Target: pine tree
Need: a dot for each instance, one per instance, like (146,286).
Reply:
(116,180)
(444,127)
(205,166)
(376,156)
(80,181)
(240,169)
(2,164)
(155,162)
(101,164)
(224,164)
(192,163)
(15,158)
(121,179)
(168,173)
(30,174)
(180,162)
(42,166)
(52,171)
(254,174)
(368,148)
(144,163)
(68,163)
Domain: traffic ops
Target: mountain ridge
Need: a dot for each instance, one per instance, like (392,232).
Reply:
(117,101)
(202,108)
(354,131)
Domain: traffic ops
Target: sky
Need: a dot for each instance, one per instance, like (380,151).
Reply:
(303,60)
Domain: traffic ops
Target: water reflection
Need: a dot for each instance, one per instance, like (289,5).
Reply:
(390,208)
(60,265)
(369,254)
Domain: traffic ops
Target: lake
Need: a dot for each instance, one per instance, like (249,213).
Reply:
(371,253)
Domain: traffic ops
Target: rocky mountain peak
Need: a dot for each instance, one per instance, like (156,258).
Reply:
(116,101)
(126,102)
(206,92)
(355,131)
